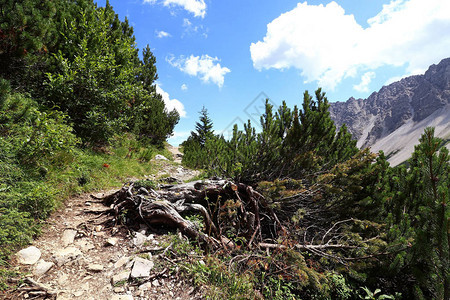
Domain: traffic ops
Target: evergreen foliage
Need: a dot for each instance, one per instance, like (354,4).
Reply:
(83,61)
(291,143)
(419,215)
(391,223)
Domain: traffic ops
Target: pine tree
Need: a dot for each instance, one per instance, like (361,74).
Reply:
(420,213)
(203,127)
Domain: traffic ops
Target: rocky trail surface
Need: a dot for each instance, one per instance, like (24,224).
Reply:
(77,258)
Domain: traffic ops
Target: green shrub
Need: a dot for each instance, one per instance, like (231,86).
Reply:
(16,229)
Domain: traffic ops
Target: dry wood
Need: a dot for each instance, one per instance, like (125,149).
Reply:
(205,198)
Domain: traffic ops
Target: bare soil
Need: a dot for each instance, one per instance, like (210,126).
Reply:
(89,275)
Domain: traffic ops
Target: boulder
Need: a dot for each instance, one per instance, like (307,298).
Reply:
(68,237)
(29,256)
(141,267)
(123,276)
(42,267)
(160,157)
(65,255)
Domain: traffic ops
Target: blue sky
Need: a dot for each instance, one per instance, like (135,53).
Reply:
(229,55)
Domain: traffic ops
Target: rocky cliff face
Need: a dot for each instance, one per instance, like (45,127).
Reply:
(412,101)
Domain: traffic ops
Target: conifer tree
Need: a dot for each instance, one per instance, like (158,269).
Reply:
(420,213)
(203,127)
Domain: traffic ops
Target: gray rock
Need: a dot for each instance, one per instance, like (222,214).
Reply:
(78,293)
(118,289)
(65,255)
(68,237)
(139,239)
(160,157)
(411,99)
(95,267)
(29,256)
(121,261)
(85,245)
(141,267)
(112,241)
(145,287)
(155,283)
(123,276)
(42,267)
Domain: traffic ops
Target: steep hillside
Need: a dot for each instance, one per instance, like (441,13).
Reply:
(393,118)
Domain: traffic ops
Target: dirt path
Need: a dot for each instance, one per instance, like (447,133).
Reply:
(176,153)
(88,261)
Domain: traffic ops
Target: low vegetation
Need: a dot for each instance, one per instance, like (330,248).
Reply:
(350,226)
(78,110)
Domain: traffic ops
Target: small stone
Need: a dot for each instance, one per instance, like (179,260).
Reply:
(85,245)
(121,261)
(98,228)
(42,267)
(99,195)
(78,293)
(155,283)
(160,157)
(95,268)
(29,256)
(118,289)
(145,287)
(139,239)
(141,267)
(87,203)
(68,237)
(123,276)
(66,255)
(111,241)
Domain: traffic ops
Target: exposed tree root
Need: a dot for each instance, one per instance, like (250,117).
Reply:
(224,206)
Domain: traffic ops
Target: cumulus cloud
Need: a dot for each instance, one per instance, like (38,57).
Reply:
(363,86)
(171,104)
(162,34)
(196,7)
(207,68)
(328,45)
(184,87)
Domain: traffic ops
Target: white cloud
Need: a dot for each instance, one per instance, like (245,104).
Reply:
(363,86)
(190,28)
(196,7)
(207,68)
(184,87)
(329,45)
(162,34)
(171,104)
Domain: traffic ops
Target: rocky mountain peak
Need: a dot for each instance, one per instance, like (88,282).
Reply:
(411,100)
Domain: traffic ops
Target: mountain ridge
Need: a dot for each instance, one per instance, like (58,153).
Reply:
(391,118)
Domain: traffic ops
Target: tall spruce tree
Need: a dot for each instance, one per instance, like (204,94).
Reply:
(203,127)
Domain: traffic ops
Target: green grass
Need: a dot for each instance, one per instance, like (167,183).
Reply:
(29,194)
